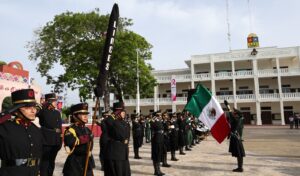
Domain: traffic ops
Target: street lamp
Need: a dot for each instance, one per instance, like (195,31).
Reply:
(137,82)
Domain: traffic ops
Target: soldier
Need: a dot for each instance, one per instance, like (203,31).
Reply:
(240,127)
(148,128)
(77,137)
(181,133)
(116,161)
(21,142)
(236,147)
(51,125)
(189,135)
(104,138)
(157,142)
(166,148)
(137,135)
(174,136)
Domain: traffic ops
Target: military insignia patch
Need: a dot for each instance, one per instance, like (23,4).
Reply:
(212,113)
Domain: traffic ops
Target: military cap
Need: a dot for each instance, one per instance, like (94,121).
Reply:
(80,108)
(50,96)
(157,113)
(23,96)
(118,106)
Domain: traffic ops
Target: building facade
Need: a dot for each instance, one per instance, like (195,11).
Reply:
(13,77)
(263,83)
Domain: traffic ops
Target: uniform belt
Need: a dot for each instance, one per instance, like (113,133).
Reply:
(56,130)
(27,162)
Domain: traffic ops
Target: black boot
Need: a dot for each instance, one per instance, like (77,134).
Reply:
(165,164)
(136,153)
(187,148)
(240,165)
(157,169)
(181,151)
(173,158)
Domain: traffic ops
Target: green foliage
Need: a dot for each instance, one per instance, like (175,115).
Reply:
(75,41)
(7,103)
(3,63)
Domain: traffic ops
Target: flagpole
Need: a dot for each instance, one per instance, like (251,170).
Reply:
(137,83)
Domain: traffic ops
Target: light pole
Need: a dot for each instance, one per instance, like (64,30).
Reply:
(137,83)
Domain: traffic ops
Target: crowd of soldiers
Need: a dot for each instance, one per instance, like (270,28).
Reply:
(30,149)
(167,133)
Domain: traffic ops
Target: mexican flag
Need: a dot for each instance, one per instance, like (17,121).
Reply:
(204,106)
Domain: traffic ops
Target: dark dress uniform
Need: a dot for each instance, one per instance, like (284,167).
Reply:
(20,140)
(174,138)
(103,139)
(116,152)
(181,134)
(51,125)
(166,148)
(137,135)
(157,145)
(77,137)
(236,147)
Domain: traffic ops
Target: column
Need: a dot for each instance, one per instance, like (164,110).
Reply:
(280,91)
(233,84)
(212,70)
(257,97)
(156,99)
(192,74)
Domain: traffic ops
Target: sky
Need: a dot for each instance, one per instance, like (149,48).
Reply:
(177,29)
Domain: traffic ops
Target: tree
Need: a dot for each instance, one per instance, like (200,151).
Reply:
(7,103)
(3,63)
(75,41)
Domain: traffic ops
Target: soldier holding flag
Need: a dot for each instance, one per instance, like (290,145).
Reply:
(76,138)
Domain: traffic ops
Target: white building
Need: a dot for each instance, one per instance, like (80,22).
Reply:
(265,86)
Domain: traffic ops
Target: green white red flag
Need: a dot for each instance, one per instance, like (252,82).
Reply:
(205,106)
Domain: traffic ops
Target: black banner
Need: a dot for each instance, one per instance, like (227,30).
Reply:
(107,51)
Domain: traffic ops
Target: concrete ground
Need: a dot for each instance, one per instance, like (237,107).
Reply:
(270,150)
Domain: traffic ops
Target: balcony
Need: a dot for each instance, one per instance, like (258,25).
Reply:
(228,75)
(245,98)
(223,75)
(202,77)
(291,96)
(267,73)
(269,97)
(244,74)
(289,71)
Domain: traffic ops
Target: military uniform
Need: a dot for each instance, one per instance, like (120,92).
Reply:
(174,136)
(166,148)
(77,137)
(103,138)
(20,140)
(181,133)
(236,147)
(51,125)
(137,135)
(116,152)
(157,143)
(148,129)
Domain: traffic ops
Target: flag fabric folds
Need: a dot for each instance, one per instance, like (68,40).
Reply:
(205,106)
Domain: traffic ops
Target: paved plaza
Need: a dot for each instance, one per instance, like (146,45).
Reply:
(270,150)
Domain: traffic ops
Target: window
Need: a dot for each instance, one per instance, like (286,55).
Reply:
(244,87)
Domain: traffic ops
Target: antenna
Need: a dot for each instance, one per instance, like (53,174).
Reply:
(228,25)
(250,16)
